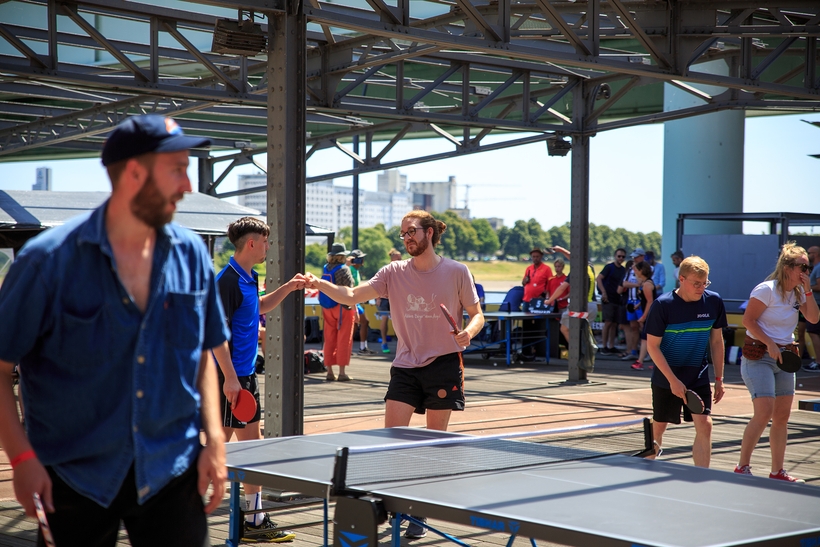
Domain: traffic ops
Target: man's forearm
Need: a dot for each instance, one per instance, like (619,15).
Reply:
(339,293)
(12,435)
(224,361)
(272,300)
(475,325)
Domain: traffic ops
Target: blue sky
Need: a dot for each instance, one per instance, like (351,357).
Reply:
(524,182)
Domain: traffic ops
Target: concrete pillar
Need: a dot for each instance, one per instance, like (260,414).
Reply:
(702,166)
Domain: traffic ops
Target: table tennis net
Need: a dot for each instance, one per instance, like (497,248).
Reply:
(461,456)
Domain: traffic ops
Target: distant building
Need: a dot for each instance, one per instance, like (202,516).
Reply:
(331,206)
(442,195)
(392,181)
(496,223)
(255,200)
(42,179)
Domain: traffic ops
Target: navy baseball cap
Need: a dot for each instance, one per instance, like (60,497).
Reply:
(140,135)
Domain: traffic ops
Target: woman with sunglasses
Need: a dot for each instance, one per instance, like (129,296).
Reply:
(770,320)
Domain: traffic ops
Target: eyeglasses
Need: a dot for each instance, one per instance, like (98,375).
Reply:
(700,284)
(410,232)
(620,256)
(804,267)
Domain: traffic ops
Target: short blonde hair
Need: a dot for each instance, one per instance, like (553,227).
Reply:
(559,261)
(694,265)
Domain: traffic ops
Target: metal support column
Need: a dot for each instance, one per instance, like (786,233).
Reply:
(579,230)
(284,391)
(354,244)
(206,174)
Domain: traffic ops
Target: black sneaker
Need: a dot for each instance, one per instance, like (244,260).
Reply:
(267,532)
(366,351)
(812,367)
(416,531)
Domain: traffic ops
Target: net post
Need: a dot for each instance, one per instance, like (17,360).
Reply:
(339,486)
(648,439)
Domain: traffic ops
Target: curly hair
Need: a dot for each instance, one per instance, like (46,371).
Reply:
(790,252)
(426,220)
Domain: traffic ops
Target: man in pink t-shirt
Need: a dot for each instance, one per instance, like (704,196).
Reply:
(428,373)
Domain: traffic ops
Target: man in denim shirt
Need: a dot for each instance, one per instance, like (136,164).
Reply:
(110,318)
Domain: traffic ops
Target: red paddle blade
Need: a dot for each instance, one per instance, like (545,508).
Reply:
(790,361)
(245,407)
(694,402)
(449,317)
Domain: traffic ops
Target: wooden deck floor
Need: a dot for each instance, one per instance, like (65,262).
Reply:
(506,399)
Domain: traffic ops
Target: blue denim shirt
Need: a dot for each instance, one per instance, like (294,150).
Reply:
(105,385)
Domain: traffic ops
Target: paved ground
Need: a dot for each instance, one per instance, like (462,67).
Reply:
(530,397)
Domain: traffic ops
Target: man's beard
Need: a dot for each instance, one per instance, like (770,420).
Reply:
(420,247)
(149,205)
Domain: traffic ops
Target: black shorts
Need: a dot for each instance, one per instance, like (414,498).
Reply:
(813,328)
(437,386)
(666,405)
(609,312)
(622,320)
(245,382)
(173,516)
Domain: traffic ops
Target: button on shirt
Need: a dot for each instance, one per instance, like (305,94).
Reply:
(107,386)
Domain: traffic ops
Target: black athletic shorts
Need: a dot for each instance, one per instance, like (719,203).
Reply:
(609,312)
(666,406)
(437,386)
(245,382)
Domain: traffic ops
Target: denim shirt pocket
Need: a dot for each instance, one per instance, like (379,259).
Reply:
(185,319)
(79,337)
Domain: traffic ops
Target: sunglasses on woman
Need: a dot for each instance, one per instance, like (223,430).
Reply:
(804,267)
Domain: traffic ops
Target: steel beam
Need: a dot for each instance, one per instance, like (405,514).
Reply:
(579,227)
(284,355)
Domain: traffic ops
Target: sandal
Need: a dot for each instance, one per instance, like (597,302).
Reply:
(344,377)
(330,376)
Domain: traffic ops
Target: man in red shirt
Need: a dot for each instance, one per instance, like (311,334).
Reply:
(535,279)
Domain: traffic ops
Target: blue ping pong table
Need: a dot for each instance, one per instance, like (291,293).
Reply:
(608,500)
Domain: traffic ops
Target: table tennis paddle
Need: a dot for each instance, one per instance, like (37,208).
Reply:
(245,407)
(694,403)
(449,318)
(41,516)
(790,361)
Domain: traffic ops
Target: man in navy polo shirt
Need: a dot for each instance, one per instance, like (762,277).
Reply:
(239,289)
(111,318)
(681,326)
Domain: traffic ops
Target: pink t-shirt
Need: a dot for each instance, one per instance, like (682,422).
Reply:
(422,330)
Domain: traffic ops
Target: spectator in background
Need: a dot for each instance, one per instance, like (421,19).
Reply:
(658,273)
(535,279)
(646,295)
(384,306)
(629,294)
(677,258)
(608,281)
(562,292)
(561,300)
(813,329)
(338,319)
(479,289)
(355,262)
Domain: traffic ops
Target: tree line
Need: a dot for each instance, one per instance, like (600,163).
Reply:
(476,239)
